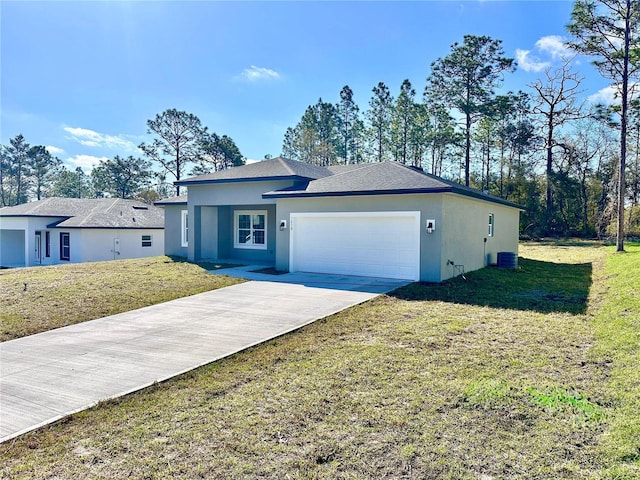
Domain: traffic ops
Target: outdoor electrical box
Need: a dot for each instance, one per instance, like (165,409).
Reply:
(431,225)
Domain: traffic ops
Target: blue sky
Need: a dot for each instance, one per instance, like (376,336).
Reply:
(83,78)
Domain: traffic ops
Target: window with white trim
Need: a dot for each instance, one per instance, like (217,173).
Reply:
(146,240)
(185,228)
(490,227)
(250,229)
(65,246)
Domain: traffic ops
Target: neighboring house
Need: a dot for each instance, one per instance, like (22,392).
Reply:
(61,230)
(374,219)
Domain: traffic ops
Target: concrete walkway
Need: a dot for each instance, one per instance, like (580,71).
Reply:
(48,376)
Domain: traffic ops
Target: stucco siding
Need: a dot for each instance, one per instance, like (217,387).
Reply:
(465,228)
(27,254)
(91,245)
(173,231)
(12,248)
(245,193)
(429,207)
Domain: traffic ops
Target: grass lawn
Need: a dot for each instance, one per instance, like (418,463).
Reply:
(38,299)
(529,373)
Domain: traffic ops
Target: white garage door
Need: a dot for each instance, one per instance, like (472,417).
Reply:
(372,244)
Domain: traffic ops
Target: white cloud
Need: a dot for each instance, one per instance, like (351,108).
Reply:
(254,74)
(86,162)
(529,63)
(91,138)
(54,150)
(553,45)
(605,96)
(611,95)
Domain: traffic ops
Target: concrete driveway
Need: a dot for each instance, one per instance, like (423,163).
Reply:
(48,376)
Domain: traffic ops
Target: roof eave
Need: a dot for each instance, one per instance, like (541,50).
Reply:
(351,193)
(96,227)
(449,189)
(186,183)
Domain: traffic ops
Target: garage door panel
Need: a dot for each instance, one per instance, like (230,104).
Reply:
(381,244)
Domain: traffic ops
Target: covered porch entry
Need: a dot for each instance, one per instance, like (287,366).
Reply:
(241,233)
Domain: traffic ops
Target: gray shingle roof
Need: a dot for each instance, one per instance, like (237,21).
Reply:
(382,178)
(91,212)
(279,167)
(379,179)
(180,200)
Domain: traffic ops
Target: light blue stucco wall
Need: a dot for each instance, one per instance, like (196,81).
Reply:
(461,226)
(212,210)
(173,231)
(429,206)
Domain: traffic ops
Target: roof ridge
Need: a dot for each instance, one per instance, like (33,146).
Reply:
(285,162)
(359,166)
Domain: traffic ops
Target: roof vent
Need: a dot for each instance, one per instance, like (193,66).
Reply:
(416,168)
(140,207)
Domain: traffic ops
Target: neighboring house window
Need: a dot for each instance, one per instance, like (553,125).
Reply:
(65,246)
(490,229)
(185,228)
(251,229)
(146,240)
(47,244)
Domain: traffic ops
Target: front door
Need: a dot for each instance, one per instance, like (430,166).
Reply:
(38,251)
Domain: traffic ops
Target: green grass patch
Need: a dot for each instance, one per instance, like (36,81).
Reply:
(38,299)
(412,385)
(617,330)
(537,285)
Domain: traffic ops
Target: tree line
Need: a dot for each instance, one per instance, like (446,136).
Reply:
(180,145)
(575,170)
(542,148)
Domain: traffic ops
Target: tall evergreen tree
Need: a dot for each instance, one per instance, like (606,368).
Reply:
(122,177)
(316,138)
(402,118)
(218,153)
(15,177)
(44,167)
(466,79)
(610,31)
(72,184)
(178,142)
(379,117)
(349,119)
(441,135)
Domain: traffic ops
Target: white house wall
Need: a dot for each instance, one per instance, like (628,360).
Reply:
(28,226)
(91,245)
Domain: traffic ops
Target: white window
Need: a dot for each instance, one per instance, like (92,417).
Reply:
(490,228)
(250,229)
(185,228)
(146,240)
(65,246)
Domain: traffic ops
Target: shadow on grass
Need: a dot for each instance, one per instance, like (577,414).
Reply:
(206,264)
(535,285)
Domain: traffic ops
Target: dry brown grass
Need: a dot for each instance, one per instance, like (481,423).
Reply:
(438,382)
(38,299)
